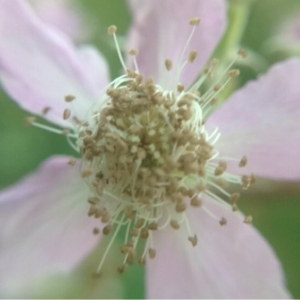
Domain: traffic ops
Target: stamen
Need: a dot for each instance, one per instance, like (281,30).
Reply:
(133,53)
(51,129)
(108,247)
(194,22)
(112,31)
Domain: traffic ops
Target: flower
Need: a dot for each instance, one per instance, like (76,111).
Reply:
(149,147)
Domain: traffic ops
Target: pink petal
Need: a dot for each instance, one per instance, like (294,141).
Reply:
(161,29)
(66,15)
(231,261)
(39,66)
(44,225)
(261,121)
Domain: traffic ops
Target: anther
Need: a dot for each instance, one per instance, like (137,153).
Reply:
(105,217)
(168,64)
(96,231)
(195,202)
(192,56)
(139,223)
(66,114)
(214,62)
(174,224)
(134,232)
(252,178)
(223,221)
(93,200)
(195,21)
(122,268)
(220,169)
(234,73)
(248,219)
(234,207)
(112,29)
(107,229)
(86,173)
(246,181)
(153,226)
(180,207)
(45,110)
(234,197)
(125,249)
(243,162)
(193,240)
(65,132)
(133,52)
(69,98)
(217,87)
(144,233)
(213,101)
(142,261)
(91,211)
(29,121)
(180,87)
(243,53)
(152,253)
(129,212)
(149,81)
(72,161)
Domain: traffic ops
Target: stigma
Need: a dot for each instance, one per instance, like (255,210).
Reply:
(147,155)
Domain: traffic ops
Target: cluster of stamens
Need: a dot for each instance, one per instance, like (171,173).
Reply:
(148,157)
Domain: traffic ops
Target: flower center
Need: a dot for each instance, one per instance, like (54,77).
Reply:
(145,154)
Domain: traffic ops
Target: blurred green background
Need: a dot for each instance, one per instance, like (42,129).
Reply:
(274,206)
